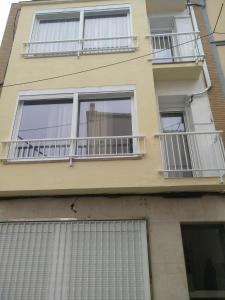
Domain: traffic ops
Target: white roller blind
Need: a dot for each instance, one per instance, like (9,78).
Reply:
(112,26)
(99,260)
(50,31)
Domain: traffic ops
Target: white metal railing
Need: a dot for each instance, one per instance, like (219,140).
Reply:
(192,154)
(175,47)
(80,46)
(69,148)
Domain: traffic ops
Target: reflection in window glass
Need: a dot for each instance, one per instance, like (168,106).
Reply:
(204,250)
(105,118)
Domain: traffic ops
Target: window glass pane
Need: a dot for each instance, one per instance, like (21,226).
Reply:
(204,250)
(51,32)
(105,118)
(45,119)
(172,122)
(112,26)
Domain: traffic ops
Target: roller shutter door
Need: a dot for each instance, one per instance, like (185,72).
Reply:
(80,260)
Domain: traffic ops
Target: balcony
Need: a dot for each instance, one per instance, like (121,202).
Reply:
(192,154)
(107,147)
(80,46)
(179,52)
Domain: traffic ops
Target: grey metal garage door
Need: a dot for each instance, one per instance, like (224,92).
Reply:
(82,260)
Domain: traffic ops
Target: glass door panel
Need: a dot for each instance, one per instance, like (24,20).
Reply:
(176,147)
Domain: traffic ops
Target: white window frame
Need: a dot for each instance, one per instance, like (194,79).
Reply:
(76,95)
(81,14)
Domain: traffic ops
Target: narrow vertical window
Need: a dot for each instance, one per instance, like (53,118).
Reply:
(55,35)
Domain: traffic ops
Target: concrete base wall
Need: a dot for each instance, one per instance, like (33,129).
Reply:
(164,216)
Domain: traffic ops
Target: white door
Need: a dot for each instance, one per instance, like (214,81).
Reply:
(176,149)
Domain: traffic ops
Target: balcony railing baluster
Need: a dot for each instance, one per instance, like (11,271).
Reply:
(79,148)
(192,154)
(175,47)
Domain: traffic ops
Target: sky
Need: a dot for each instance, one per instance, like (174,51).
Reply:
(4,11)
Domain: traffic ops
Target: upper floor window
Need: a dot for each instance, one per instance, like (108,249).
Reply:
(76,124)
(81,31)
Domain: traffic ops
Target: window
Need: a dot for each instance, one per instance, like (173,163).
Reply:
(44,119)
(102,118)
(76,124)
(81,31)
(204,250)
(99,260)
(106,31)
(55,35)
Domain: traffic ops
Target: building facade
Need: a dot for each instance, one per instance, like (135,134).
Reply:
(112,152)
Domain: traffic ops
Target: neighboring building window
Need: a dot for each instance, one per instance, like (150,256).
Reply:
(81,31)
(99,260)
(78,124)
(204,250)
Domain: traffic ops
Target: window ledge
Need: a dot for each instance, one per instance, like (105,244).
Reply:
(70,149)
(72,159)
(94,46)
(76,53)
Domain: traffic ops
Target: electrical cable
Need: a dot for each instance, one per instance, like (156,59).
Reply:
(218,18)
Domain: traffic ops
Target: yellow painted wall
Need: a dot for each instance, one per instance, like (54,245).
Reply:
(116,176)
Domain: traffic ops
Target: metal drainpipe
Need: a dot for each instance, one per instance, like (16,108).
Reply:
(190,98)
